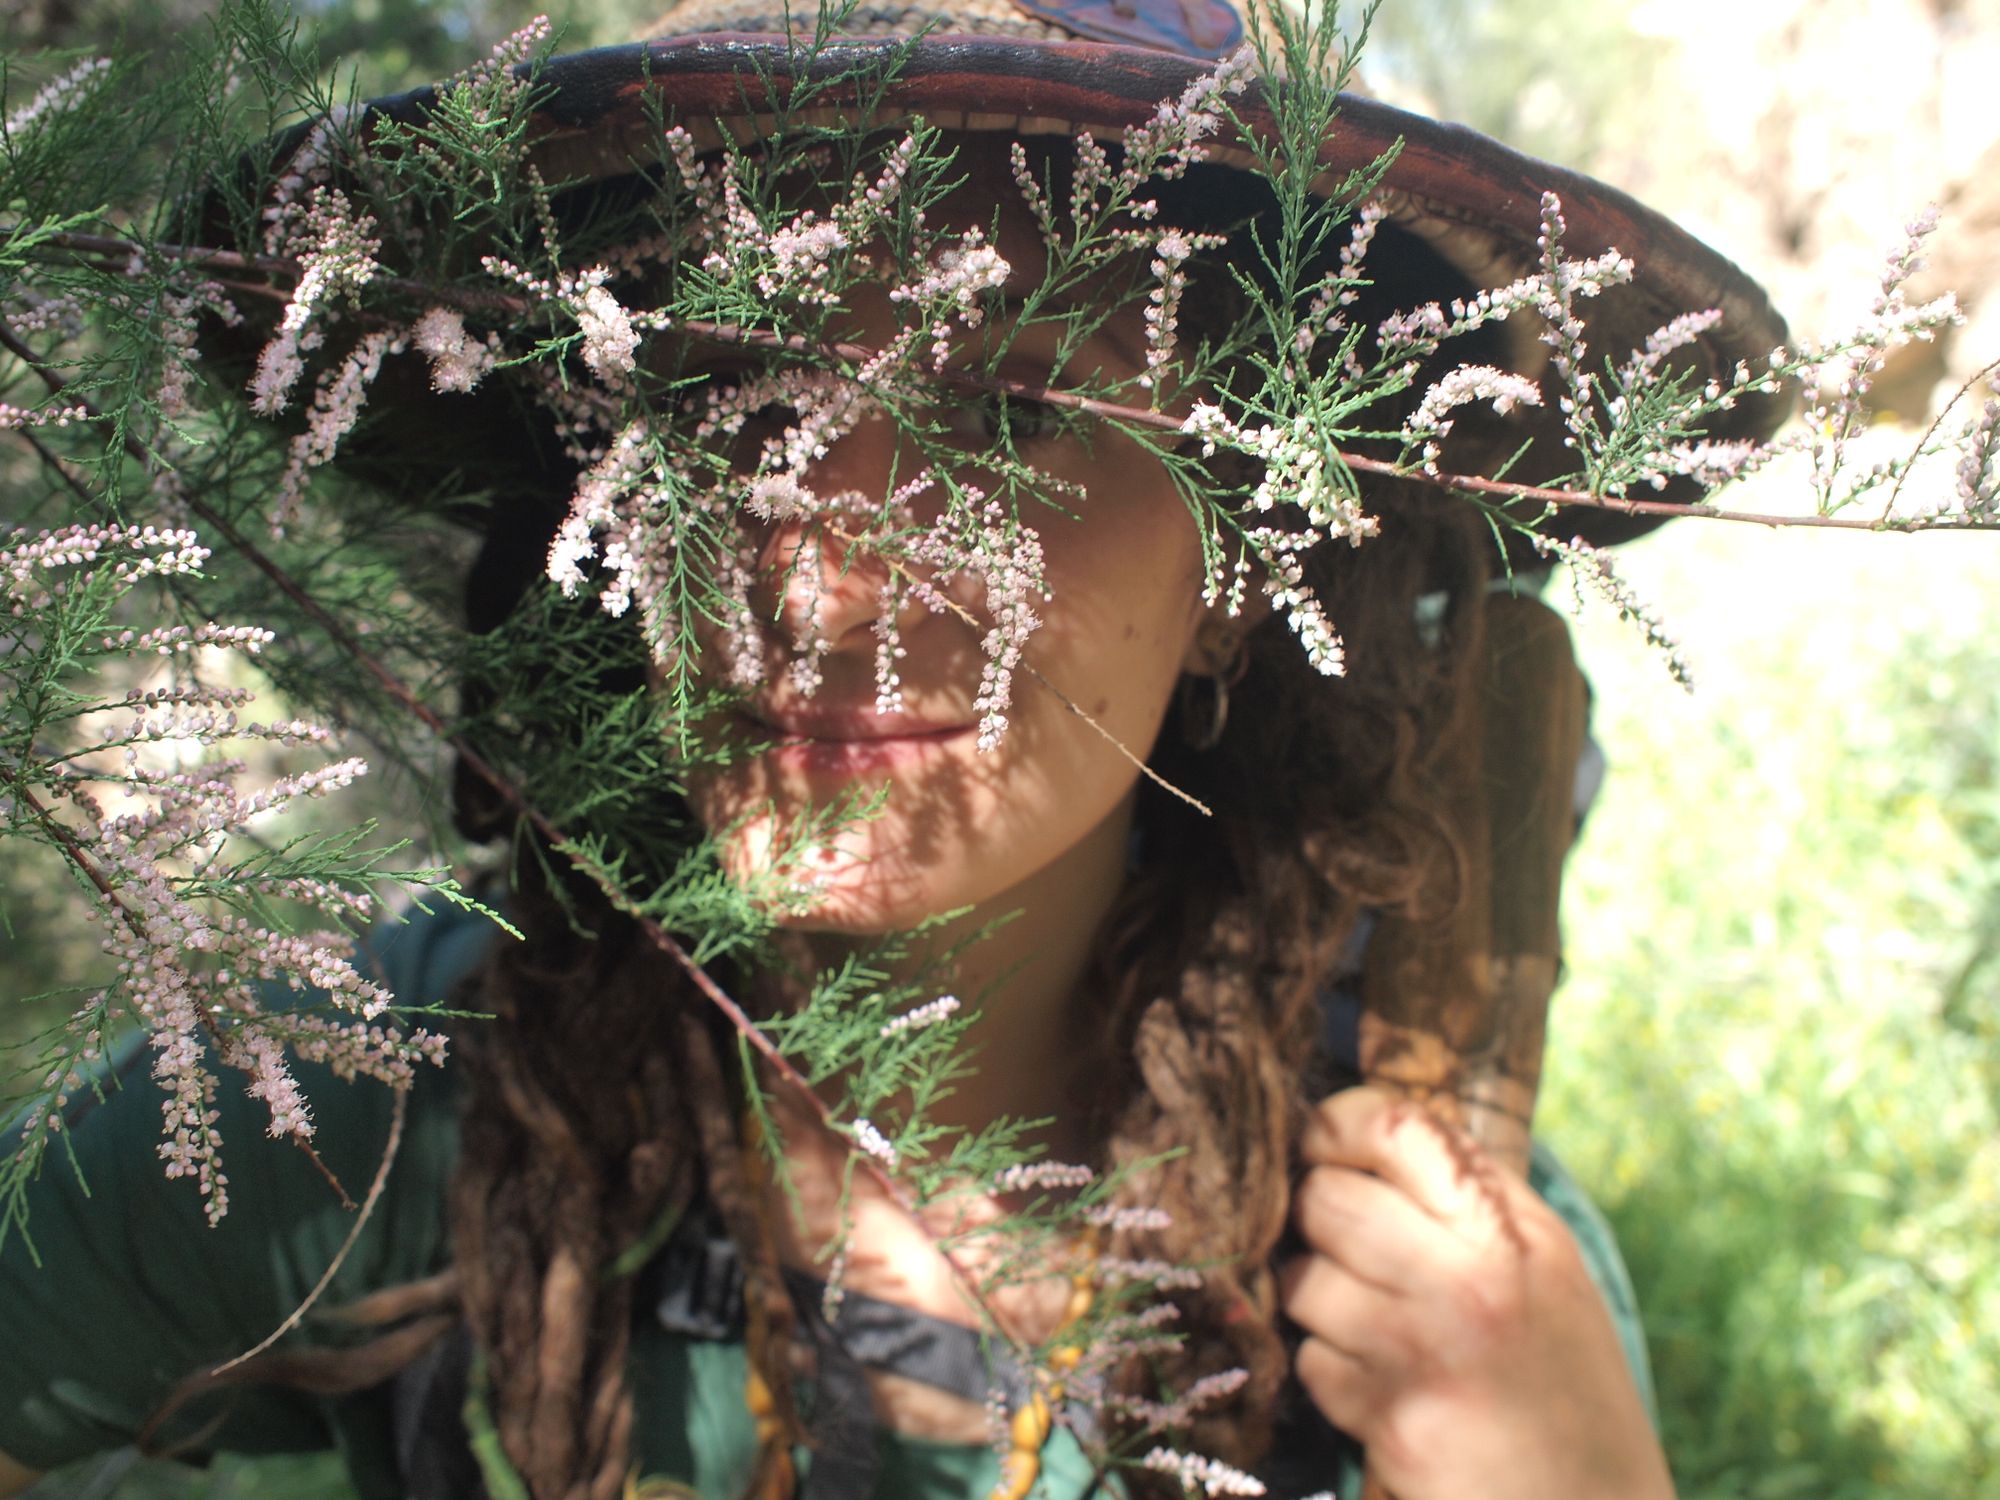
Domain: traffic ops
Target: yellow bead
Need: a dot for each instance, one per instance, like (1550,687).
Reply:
(1030,1428)
(1018,1472)
(658,1488)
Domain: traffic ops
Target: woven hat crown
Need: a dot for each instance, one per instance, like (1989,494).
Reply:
(1193,28)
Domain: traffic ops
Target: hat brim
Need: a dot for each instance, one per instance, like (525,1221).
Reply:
(1479,202)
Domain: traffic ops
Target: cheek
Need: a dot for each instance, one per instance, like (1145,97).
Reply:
(1124,614)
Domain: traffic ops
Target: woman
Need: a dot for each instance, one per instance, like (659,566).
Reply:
(640,1293)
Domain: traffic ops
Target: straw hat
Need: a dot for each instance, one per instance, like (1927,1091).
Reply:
(1027,68)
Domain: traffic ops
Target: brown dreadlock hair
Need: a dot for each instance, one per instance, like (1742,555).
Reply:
(1326,801)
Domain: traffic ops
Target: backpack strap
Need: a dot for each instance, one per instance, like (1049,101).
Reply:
(694,1289)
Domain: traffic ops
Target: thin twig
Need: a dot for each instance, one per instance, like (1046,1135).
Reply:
(1120,746)
(1503,490)
(313,1156)
(54,461)
(400,1112)
(208,258)
(1931,431)
(66,841)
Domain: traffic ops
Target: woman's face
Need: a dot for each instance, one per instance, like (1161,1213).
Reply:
(960,825)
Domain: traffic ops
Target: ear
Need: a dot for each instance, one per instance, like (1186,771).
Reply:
(1220,637)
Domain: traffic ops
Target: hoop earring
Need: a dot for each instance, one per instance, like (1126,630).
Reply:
(1199,730)
(1203,731)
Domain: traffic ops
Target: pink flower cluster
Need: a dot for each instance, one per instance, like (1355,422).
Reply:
(1161,1275)
(1036,1176)
(976,541)
(188,974)
(14,418)
(801,254)
(1326,314)
(1298,471)
(1711,463)
(1978,473)
(1560,287)
(1843,375)
(628,506)
(492,82)
(792,261)
(1591,568)
(1126,1336)
(171,897)
(336,250)
(1162,1416)
(1552,291)
(1431,422)
(1664,342)
(1207,1476)
(956,286)
(876,1144)
(29,569)
(309,167)
(173,641)
(1171,141)
(63,93)
(611,331)
(928,1014)
(178,349)
(62,315)
(1126,1218)
(458,360)
(337,401)
(1161,149)
(1171,249)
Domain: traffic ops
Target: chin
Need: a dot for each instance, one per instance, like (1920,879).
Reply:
(858,896)
(863,884)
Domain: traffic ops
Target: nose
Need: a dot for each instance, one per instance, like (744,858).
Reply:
(813,578)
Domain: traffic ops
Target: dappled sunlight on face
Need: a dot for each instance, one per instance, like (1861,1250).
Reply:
(961,824)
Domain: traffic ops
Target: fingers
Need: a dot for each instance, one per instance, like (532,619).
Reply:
(1342,1360)
(1331,1303)
(1436,1166)
(1368,1226)
(1339,1384)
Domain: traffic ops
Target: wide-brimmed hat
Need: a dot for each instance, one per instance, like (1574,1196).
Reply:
(1052,69)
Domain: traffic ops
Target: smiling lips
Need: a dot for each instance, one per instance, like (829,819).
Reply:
(853,741)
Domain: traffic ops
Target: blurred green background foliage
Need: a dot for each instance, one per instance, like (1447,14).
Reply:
(1776,1057)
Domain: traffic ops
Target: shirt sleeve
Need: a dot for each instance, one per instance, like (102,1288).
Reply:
(118,1288)
(1550,1178)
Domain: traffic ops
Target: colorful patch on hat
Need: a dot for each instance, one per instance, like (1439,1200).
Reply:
(1193,28)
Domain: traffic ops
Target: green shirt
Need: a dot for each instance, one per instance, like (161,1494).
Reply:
(135,1291)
